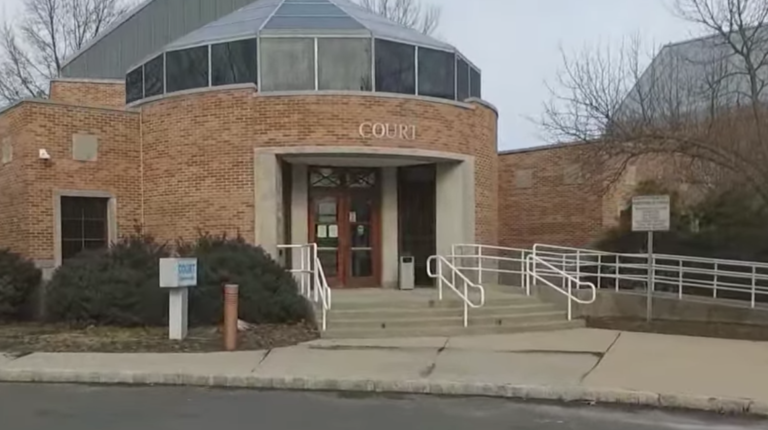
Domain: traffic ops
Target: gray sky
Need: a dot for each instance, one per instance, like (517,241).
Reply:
(517,44)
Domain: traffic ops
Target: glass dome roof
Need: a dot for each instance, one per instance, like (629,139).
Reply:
(336,17)
(307,45)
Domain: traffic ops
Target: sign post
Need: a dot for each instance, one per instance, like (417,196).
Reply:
(650,214)
(177,275)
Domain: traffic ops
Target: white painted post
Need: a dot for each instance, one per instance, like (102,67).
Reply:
(754,284)
(618,274)
(523,269)
(313,266)
(480,264)
(714,289)
(177,275)
(680,282)
(178,311)
(466,306)
(578,268)
(570,300)
(599,271)
(650,286)
(562,279)
(304,272)
(439,264)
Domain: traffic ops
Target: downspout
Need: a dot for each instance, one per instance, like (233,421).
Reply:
(141,167)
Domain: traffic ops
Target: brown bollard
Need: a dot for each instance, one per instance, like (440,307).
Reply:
(230,317)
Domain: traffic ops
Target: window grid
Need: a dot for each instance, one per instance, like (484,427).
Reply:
(79,216)
(259,54)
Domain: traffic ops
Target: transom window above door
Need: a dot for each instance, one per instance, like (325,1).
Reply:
(330,177)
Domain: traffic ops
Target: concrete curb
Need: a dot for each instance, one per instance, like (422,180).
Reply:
(421,386)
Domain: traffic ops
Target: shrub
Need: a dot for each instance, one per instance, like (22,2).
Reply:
(19,279)
(118,286)
(267,292)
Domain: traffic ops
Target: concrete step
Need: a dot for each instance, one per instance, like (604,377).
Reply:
(362,333)
(422,303)
(452,321)
(385,313)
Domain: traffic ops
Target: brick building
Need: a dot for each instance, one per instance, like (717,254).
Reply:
(284,121)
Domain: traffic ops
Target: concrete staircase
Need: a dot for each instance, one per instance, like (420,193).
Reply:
(391,313)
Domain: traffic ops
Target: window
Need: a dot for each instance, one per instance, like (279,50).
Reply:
(153,77)
(187,69)
(630,175)
(524,178)
(462,80)
(134,85)
(6,151)
(475,83)
(395,67)
(83,225)
(235,62)
(324,178)
(437,73)
(572,174)
(85,147)
(287,64)
(344,64)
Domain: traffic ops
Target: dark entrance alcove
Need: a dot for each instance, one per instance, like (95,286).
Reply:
(417,216)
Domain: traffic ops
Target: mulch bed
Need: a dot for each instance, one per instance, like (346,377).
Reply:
(28,338)
(683,328)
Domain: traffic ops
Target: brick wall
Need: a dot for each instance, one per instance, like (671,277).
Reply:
(90,92)
(545,198)
(51,127)
(13,187)
(198,150)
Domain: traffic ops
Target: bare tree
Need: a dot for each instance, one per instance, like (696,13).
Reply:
(34,47)
(699,104)
(410,13)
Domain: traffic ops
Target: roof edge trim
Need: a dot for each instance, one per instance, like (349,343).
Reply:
(107,31)
(544,147)
(269,18)
(343,9)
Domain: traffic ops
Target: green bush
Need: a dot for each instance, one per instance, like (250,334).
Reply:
(19,279)
(267,292)
(118,286)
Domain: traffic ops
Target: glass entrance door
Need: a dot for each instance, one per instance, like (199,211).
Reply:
(344,222)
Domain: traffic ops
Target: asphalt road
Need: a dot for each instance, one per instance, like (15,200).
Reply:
(69,407)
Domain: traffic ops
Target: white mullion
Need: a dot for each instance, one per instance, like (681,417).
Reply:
(317,77)
(416,68)
(210,67)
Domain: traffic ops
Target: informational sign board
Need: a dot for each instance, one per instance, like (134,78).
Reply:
(178,272)
(177,275)
(650,213)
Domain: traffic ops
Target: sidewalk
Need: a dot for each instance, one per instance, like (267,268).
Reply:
(574,365)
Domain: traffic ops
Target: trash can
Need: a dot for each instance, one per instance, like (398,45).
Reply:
(407,273)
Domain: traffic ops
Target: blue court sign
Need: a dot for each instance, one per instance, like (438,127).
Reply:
(178,272)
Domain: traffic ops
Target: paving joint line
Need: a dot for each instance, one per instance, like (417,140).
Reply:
(427,372)
(269,351)
(602,357)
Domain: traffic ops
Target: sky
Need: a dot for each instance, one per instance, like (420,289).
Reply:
(518,44)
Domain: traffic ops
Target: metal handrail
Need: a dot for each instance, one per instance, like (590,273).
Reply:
(531,270)
(442,279)
(747,279)
(484,256)
(312,281)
